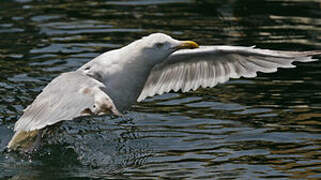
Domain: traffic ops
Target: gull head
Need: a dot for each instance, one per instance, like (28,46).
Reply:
(158,46)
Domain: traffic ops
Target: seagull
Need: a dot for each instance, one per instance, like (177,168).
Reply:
(152,65)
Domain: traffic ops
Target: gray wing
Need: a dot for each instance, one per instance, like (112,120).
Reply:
(66,97)
(207,66)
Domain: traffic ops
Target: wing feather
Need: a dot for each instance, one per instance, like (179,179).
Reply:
(209,65)
(68,96)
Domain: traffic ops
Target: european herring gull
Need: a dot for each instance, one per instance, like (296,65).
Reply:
(155,64)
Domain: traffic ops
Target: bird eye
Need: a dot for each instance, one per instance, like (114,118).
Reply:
(159,45)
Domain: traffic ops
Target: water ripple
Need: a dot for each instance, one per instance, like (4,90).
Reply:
(266,127)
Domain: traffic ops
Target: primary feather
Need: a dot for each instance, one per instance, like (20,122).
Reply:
(209,65)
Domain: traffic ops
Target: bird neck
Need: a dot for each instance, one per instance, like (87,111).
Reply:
(124,73)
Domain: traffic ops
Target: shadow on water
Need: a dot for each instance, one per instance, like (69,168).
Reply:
(266,127)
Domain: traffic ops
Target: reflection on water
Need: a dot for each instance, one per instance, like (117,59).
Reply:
(267,127)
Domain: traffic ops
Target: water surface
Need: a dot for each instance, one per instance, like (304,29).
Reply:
(262,128)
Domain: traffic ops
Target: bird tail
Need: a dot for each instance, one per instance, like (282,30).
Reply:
(25,141)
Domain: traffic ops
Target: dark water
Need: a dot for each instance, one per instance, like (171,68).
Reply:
(266,127)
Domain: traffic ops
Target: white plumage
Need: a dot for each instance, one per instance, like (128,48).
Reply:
(207,66)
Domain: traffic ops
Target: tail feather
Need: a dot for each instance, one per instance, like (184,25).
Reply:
(25,141)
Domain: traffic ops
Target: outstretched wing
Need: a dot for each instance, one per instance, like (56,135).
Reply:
(66,97)
(207,66)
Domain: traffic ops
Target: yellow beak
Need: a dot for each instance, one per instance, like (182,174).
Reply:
(187,45)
